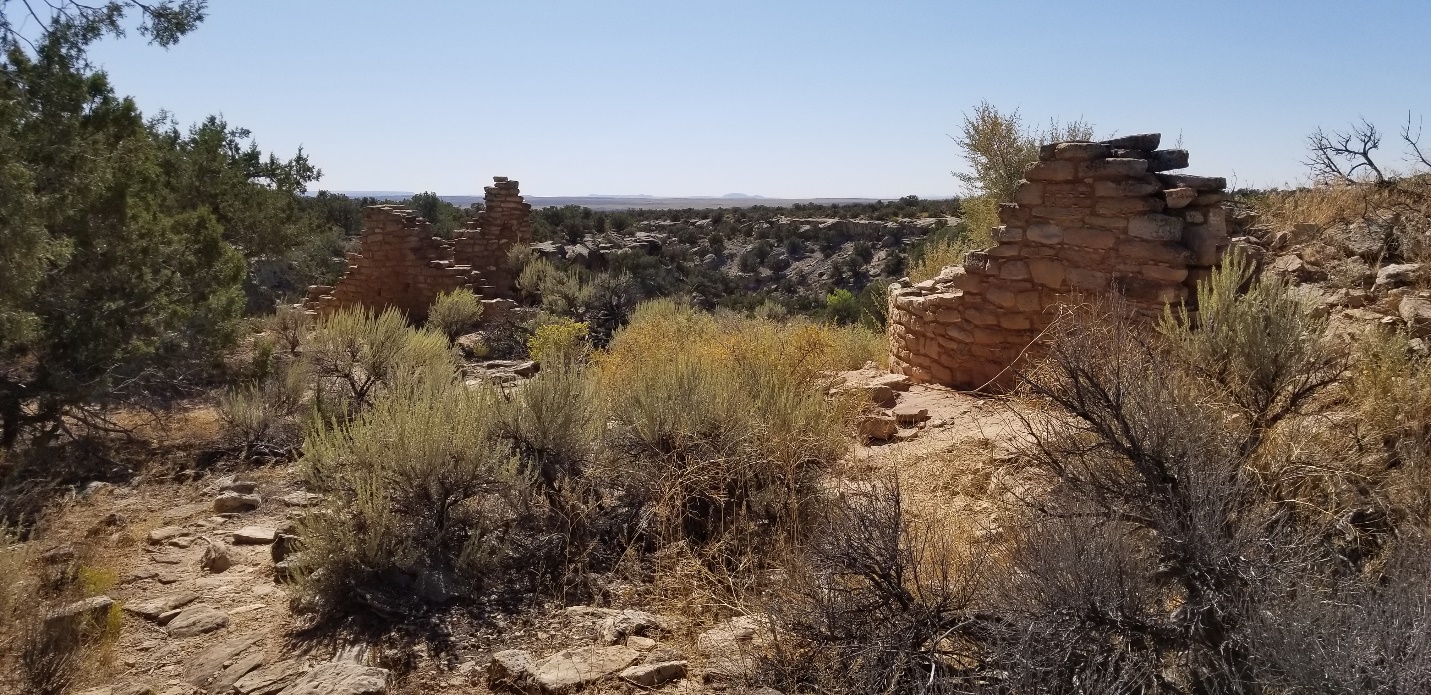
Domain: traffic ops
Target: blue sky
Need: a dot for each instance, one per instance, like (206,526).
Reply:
(776,98)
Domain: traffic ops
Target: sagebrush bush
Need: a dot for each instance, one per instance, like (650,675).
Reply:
(1202,463)
(877,605)
(263,412)
(354,353)
(455,313)
(554,422)
(292,324)
(419,482)
(1255,339)
(721,424)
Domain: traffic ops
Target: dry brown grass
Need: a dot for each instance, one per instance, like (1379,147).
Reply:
(1315,213)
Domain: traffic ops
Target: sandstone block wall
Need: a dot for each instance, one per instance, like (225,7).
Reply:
(1089,218)
(505,221)
(400,263)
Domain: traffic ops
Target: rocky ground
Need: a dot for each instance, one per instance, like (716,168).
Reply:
(199,575)
(1357,275)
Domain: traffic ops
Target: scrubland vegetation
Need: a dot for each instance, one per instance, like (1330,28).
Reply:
(1232,501)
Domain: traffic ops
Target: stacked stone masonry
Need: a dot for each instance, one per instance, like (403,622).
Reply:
(505,221)
(400,263)
(1088,219)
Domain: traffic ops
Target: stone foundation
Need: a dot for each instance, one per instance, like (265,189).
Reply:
(1089,218)
(400,264)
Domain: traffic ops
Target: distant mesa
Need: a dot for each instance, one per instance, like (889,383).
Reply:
(742,195)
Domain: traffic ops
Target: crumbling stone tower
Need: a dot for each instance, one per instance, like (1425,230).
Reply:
(505,221)
(1089,218)
(401,264)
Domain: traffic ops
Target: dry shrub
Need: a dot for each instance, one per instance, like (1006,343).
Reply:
(455,313)
(1389,391)
(554,423)
(721,424)
(1330,208)
(1204,494)
(354,353)
(944,253)
(263,415)
(418,483)
(292,324)
(38,653)
(879,605)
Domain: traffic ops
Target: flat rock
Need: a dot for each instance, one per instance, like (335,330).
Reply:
(652,675)
(1397,275)
(235,502)
(164,533)
(590,612)
(1200,183)
(152,608)
(197,620)
(908,415)
(226,678)
(1139,141)
(1167,160)
(299,499)
(340,679)
(1416,312)
(511,669)
(254,535)
(94,608)
(898,382)
(139,576)
(630,622)
(242,487)
(736,634)
(572,669)
(877,428)
(204,666)
(268,680)
(248,608)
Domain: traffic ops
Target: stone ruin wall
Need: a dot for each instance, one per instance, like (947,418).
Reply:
(1089,218)
(504,222)
(399,263)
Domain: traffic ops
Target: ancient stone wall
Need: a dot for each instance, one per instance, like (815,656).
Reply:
(1089,218)
(505,221)
(400,263)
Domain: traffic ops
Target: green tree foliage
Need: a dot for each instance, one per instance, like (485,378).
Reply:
(841,307)
(123,240)
(444,216)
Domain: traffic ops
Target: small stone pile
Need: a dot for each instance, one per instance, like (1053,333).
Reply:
(401,264)
(505,221)
(1089,218)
